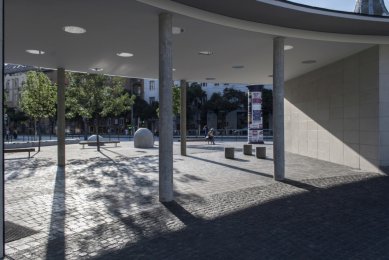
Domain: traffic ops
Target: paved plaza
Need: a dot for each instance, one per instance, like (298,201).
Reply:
(104,205)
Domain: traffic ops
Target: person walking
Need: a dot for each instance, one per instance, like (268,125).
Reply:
(205,131)
(211,136)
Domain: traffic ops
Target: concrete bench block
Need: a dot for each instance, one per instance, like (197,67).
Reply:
(247,149)
(229,152)
(260,152)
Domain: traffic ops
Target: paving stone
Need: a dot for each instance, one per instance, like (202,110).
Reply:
(105,206)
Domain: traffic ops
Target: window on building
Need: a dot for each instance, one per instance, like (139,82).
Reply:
(216,84)
(204,84)
(151,100)
(152,85)
(109,121)
(121,121)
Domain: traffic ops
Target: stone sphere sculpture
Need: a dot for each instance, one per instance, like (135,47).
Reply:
(143,138)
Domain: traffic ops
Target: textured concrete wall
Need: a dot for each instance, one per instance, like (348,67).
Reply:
(384,104)
(332,113)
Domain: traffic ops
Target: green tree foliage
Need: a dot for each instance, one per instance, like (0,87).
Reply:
(196,99)
(96,96)
(145,111)
(176,92)
(38,98)
(176,100)
(222,104)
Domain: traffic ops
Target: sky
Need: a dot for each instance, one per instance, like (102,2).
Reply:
(341,5)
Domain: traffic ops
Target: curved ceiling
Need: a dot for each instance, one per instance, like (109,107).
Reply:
(294,16)
(130,26)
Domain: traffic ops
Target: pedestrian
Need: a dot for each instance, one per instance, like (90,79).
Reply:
(15,133)
(205,131)
(211,136)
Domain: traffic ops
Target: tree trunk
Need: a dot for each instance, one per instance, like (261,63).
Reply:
(39,135)
(97,134)
(85,128)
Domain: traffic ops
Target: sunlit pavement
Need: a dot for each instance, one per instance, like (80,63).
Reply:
(104,205)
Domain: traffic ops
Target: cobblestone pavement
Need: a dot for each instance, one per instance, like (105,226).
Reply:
(105,206)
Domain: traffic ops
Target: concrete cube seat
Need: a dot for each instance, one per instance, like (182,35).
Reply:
(229,152)
(260,152)
(247,149)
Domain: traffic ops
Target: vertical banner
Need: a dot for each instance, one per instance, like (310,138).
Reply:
(255,119)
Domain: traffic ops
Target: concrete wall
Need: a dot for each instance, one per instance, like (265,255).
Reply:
(384,105)
(332,113)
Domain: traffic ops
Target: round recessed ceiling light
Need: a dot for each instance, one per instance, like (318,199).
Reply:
(124,54)
(96,69)
(205,52)
(288,47)
(173,69)
(308,61)
(177,30)
(74,29)
(238,67)
(210,78)
(35,52)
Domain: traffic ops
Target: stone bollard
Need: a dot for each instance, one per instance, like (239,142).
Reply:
(260,152)
(143,138)
(247,149)
(229,152)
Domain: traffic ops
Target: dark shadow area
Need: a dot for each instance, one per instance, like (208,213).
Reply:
(300,185)
(35,154)
(207,148)
(240,160)
(232,167)
(349,221)
(181,213)
(56,243)
(106,156)
(14,231)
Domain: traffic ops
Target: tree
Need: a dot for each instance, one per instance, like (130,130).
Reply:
(196,98)
(176,92)
(93,96)
(145,111)
(38,99)
(221,105)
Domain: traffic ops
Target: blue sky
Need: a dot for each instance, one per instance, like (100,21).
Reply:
(342,5)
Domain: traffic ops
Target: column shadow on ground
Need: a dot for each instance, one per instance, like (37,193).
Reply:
(232,167)
(56,240)
(181,213)
(349,221)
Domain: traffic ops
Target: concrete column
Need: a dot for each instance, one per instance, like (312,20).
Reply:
(2,132)
(165,108)
(278,108)
(61,116)
(183,88)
